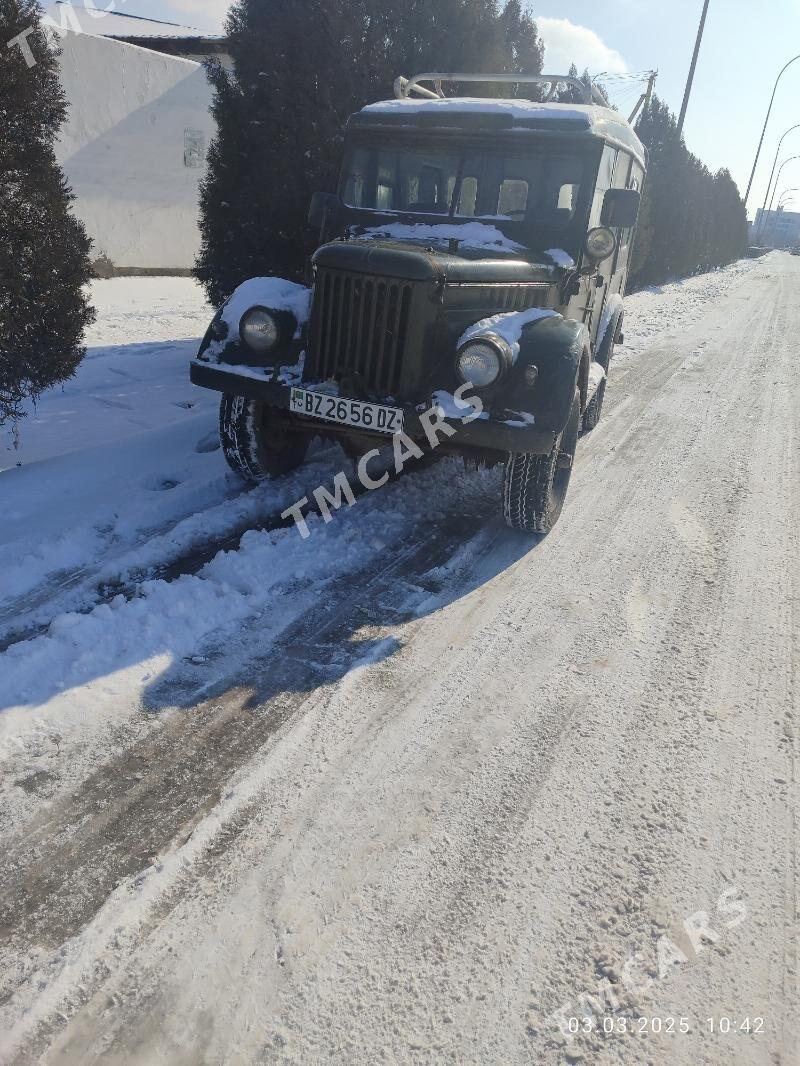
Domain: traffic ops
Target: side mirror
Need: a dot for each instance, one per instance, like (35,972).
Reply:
(323,204)
(620,208)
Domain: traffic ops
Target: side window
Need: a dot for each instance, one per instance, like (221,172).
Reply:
(622,180)
(428,193)
(560,189)
(355,178)
(469,197)
(478,194)
(605,178)
(385,184)
(513,198)
(568,197)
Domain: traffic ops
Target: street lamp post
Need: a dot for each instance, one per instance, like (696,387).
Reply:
(764,130)
(785,198)
(774,161)
(769,210)
(774,164)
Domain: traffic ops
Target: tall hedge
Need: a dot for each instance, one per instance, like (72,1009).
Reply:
(44,250)
(692,219)
(300,68)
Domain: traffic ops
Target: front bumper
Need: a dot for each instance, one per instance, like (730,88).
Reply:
(482,434)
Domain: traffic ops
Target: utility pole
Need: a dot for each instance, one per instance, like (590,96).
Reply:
(646,96)
(692,68)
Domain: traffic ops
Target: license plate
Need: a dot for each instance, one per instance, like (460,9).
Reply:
(349,412)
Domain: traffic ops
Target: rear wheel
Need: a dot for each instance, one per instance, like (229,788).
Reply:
(535,486)
(591,416)
(255,446)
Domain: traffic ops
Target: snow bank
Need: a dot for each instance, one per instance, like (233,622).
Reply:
(509,326)
(664,308)
(124,447)
(169,620)
(470,234)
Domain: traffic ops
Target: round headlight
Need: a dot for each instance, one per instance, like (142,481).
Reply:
(600,243)
(479,363)
(259,330)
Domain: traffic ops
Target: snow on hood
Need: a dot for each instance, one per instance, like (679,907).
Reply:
(276,293)
(509,326)
(470,234)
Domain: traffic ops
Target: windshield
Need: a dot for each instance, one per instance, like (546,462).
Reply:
(542,188)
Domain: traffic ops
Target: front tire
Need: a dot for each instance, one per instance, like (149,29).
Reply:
(594,408)
(254,446)
(535,486)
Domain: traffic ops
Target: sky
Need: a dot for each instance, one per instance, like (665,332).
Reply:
(742,52)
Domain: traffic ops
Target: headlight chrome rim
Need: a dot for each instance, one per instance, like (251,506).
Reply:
(494,347)
(259,338)
(600,243)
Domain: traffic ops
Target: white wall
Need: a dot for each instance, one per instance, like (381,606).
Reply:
(132,115)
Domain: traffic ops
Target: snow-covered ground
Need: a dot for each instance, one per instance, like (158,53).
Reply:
(401,609)
(120,474)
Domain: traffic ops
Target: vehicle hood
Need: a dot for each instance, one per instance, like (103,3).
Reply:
(438,259)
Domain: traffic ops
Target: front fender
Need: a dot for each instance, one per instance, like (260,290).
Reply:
(555,346)
(288,302)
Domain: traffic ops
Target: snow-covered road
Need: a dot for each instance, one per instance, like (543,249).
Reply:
(417,789)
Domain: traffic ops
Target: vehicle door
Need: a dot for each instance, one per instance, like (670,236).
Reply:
(587,298)
(614,172)
(627,175)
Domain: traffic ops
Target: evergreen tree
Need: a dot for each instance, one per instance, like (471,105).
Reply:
(521,50)
(691,220)
(300,68)
(44,255)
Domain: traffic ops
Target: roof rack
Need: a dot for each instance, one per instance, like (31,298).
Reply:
(405,87)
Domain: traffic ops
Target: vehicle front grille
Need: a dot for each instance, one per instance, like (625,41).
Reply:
(359,329)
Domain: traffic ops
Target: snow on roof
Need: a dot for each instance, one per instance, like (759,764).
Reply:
(102,23)
(585,118)
(483,105)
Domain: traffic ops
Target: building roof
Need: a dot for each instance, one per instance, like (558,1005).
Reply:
(475,112)
(121,26)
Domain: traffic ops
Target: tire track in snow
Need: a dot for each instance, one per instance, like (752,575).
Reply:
(202,551)
(69,860)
